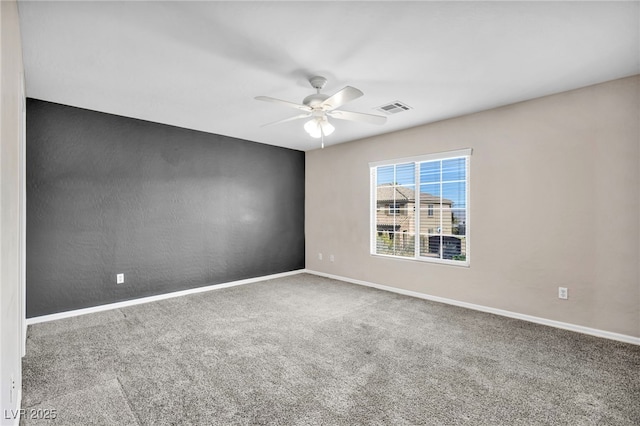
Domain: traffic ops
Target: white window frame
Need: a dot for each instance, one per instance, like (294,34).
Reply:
(461,153)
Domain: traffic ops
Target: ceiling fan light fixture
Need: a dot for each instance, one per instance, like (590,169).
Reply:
(318,126)
(327,128)
(312,126)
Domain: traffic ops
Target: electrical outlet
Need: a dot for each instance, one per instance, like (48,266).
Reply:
(13,388)
(319,256)
(120,279)
(332,258)
(563,293)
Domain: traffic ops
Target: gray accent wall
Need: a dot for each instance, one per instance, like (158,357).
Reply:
(170,208)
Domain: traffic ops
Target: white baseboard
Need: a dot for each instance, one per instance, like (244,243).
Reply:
(132,302)
(538,320)
(11,416)
(552,323)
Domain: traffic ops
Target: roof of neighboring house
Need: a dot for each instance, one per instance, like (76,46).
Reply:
(399,194)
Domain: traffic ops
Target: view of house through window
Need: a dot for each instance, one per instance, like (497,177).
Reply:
(420,207)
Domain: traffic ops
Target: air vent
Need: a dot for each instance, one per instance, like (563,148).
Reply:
(394,107)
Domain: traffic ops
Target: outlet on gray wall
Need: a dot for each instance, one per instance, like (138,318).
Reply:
(173,208)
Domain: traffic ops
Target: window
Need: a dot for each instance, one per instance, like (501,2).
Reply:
(419,208)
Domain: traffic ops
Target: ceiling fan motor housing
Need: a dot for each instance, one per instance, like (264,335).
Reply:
(315,100)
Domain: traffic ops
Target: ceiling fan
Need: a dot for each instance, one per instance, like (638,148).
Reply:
(319,107)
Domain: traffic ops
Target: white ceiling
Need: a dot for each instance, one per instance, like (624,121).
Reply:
(199,65)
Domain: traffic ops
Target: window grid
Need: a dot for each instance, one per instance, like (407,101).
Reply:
(450,241)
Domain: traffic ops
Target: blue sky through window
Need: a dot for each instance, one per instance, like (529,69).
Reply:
(399,174)
(451,171)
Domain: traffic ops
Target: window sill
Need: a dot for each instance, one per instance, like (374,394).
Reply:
(463,264)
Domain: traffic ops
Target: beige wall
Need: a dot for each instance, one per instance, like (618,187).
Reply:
(554,201)
(11,150)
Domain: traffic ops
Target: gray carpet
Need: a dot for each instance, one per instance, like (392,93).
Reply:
(305,350)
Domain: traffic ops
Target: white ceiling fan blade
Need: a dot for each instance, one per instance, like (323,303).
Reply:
(340,98)
(358,116)
(285,103)
(297,117)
